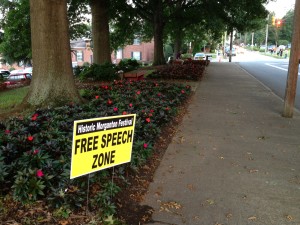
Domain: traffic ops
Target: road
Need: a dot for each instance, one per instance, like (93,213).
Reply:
(270,71)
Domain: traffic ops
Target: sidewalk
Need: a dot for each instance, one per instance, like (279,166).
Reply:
(234,159)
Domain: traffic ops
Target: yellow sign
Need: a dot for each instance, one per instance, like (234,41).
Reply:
(101,143)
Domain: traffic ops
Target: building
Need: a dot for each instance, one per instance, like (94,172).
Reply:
(81,52)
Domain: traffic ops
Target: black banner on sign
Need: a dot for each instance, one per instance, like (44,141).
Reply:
(102,125)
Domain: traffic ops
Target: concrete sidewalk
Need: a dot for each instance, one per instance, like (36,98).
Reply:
(233,161)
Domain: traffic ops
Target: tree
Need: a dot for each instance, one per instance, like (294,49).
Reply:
(100,31)
(243,15)
(153,12)
(159,14)
(16,43)
(52,83)
(195,26)
(125,25)
(286,30)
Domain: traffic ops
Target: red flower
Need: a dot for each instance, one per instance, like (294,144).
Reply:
(151,110)
(116,109)
(182,91)
(156,84)
(97,96)
(7,131)
(145,145)
(36,151)
(130,105)
(30,138)
(167,108)
(150,114)
(138,92)
(39,173)
(159,94)
(148,120)
(109,102)
(34,117)
(124,113)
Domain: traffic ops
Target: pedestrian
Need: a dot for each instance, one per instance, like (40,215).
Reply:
(285,54)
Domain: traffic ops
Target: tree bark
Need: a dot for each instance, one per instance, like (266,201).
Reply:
(52,81)
(230,48)
(100,31)
(159,58)
(177,42)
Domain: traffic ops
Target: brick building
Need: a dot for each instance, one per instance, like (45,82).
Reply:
(81,52)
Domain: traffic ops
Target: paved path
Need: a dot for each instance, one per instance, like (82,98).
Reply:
(233,161)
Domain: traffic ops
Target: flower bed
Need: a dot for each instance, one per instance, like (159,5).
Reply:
(189,70)
(36,149)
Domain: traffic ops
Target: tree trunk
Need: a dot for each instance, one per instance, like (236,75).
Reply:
(230,48)
(53,81)
(100,31)
(177,42)
(159,58)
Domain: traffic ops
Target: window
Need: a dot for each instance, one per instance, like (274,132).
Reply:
(136,55)
(79,56)
(119,54)
(136,41)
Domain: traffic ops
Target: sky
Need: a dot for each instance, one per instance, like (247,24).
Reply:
(280,7)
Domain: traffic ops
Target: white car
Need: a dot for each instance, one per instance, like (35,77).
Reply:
(16,71)
(28,70)
(199,56)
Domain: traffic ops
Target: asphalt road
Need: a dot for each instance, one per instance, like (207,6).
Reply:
(270,71)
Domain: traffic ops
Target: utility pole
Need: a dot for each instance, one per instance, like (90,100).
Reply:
(291,84)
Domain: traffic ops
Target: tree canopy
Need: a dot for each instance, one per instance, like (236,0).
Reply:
(15,43)
(117,22)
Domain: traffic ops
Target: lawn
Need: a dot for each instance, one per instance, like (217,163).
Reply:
(12,97)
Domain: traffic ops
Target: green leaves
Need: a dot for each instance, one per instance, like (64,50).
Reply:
(35,148)
(27,186)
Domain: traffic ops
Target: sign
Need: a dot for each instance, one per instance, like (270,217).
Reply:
(101,143)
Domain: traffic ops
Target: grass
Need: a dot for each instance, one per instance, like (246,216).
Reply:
(12,97)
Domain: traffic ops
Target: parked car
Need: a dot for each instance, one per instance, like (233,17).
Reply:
(199,56)
(233,52)
(18,79)
(28,70)
(3,75)
(5,72)
(262,47)
(272,47)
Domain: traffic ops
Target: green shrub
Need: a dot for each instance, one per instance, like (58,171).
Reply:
(77,70)
(128,65)
(103,72)
(35,149)
(187,56)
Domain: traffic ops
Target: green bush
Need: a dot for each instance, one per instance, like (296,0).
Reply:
(103,72)
(128,65)
(77,70)
(187,56)
(35,149)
